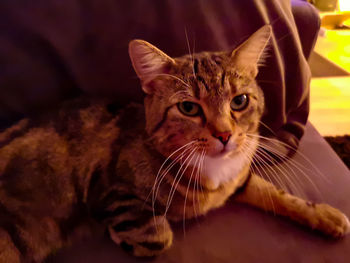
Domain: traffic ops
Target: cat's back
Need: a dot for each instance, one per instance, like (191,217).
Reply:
(48,161)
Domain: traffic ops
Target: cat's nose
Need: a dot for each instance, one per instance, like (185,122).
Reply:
(223,137)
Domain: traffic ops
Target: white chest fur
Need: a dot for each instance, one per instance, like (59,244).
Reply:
(220,170)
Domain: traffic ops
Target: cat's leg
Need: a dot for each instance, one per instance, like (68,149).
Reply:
(8,251)
(136,229)
(149,239)
(322,217)
(32,240)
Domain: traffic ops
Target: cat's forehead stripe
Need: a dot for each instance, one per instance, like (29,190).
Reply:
(210,74)
(223,75)
(195,66)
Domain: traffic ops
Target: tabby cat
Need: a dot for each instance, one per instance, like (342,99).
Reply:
(181,154)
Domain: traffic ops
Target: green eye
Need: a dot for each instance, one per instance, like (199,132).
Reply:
(239,102)
(189,108)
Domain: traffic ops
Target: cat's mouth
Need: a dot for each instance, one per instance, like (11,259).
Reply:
(225,152)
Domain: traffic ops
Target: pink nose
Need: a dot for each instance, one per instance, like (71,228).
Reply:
(223,137)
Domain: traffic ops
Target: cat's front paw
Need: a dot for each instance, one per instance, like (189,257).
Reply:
(150,240)
(331,221)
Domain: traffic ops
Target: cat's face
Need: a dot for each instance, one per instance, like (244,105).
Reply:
(203,106)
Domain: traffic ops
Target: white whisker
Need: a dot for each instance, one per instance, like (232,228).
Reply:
(191,55)
(202,165)
(185,148)
(159,177)
(291,164)
(188,186)
(177,179)
(282,170)
(197,181)
(252,156)
(267,127)
(171,76)
(275,141)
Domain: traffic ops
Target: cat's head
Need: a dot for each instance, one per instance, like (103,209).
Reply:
(206,104)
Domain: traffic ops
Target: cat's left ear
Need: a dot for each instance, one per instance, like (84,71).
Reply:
(249,54)
(148,61)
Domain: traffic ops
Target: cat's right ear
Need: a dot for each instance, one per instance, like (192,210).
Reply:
(148,61)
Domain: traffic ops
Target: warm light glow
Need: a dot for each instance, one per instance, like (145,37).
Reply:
(335,46)
(344,5)
(329,105)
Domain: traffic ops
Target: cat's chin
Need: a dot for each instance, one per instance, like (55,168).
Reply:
(220,168)
(224,154)
(225,166)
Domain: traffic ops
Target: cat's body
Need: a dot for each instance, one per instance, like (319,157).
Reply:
(55,174)
(46,168)
(181,154)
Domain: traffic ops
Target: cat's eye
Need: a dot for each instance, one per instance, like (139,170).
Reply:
(189,108)
(239,102)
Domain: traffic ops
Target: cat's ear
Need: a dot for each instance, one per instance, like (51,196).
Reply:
(148,61)
(248,55)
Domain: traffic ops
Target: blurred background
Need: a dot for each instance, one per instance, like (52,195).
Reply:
(330,66)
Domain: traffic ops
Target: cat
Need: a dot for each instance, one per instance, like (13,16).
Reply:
(134,170)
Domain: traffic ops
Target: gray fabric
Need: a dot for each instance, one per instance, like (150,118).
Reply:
(238,233)
(51,50)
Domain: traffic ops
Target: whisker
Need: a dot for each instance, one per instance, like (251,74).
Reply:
(283,172)
(180,93)
(289,162)
(159,177)
(283,37)
(275,141)
(198,178)
(171,76)
(185,202)
(189,52)
(257,171)
(202,165)
(253,155)
(184,148)
(195,188)
(166,171)
(289,186)
(177,180)
(264,156)
(275,21)
(282,157)
(264,199)
(267,127)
